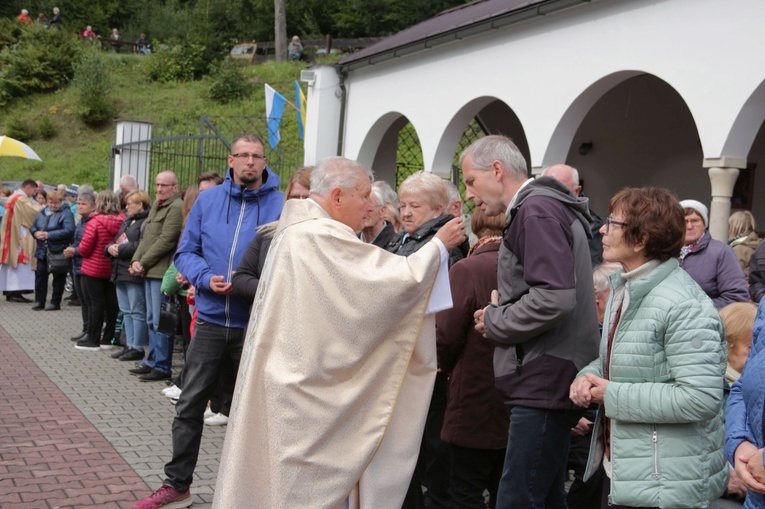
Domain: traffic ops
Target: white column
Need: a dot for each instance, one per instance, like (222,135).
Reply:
(723,173)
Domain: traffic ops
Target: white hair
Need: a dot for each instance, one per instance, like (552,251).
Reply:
(427,187)
(129,182)
(453,191)
(387,191)
(378,196)
(601,273)
(574,174)
(492,148)
(338,172)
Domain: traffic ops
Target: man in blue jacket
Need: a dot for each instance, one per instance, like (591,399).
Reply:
(219,228)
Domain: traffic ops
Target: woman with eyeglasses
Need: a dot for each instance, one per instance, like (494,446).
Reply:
(711,263)
(658,380)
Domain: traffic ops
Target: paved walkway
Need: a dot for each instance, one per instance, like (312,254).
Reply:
(76,429)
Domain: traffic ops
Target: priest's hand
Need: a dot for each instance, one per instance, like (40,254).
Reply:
(219,286)
(452,234)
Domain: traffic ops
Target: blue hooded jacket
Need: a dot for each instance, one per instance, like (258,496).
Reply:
(220,226)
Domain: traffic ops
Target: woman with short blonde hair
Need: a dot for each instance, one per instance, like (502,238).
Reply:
(742,237)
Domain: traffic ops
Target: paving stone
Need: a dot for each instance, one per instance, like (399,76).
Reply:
(77,426)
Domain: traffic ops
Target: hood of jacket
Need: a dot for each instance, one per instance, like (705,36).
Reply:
(550,188)
(236,191)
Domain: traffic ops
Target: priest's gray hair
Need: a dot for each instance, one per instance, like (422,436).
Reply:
(334,172)
(488,149)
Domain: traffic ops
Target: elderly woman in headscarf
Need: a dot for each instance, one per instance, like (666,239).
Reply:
(711,263)
(659,376)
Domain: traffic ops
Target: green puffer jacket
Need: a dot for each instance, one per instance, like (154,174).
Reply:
(665,396)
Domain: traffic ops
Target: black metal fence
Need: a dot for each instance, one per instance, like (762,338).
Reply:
(191,147)
(409,155)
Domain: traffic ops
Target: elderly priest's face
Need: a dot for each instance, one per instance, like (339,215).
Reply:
(354,204)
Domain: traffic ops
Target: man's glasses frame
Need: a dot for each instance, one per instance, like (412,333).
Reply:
(245,156)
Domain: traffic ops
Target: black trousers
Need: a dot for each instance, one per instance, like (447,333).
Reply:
(41,284)
(84,308)
(472,472)
(212,344)
(101,296)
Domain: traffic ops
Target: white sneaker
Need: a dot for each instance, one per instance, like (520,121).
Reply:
(217,420)
(168,388)
(173,392)
(209,412)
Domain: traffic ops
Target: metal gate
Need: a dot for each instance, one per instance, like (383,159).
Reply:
(409,155)
(191,147)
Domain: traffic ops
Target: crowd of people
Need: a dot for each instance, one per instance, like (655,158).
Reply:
(114,42)
(361,342)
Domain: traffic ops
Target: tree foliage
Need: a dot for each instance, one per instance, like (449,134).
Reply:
(216,23)
(93,84)
(37,60)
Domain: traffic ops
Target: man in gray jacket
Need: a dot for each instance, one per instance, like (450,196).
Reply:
(543,321)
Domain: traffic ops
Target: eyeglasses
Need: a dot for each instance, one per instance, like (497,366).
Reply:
(610,221)
(695,221)
(245,157)
(164,185)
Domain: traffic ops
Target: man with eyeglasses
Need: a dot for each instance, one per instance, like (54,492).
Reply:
(154,255)
(543,318)
(220,226)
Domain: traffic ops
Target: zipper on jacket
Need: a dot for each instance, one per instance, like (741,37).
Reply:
(655,440)
(519,354)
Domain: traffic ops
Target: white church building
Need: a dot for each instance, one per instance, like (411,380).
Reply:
(668,93)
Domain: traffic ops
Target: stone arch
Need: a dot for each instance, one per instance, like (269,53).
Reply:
(494,116)
(631,129)
(563,136)
(747,125)
(379,148)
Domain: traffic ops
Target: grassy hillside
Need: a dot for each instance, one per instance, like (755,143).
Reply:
(80,154)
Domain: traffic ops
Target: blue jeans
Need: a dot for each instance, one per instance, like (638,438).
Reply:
(211,346)
(132,301)
(536,457)
(160,344)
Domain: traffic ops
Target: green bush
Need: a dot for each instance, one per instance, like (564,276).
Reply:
(39,61)
(228,83)
(46,129)
(182,62)
(20,130)
(93,83)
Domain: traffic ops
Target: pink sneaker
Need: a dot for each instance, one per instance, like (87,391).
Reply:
(165,497)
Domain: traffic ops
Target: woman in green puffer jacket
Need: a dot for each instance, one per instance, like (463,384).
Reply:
(659,377)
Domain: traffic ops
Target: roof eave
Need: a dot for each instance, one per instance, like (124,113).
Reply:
(510,18)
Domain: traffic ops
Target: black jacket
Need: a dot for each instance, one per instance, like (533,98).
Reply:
(247,275)
(405,244)
(127,238)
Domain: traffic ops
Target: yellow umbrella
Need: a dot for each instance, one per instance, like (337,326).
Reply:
(14,148)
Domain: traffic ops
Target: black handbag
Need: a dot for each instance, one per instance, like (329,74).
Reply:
(58,263)
(169,317)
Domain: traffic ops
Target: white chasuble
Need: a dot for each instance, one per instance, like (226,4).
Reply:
(336,374)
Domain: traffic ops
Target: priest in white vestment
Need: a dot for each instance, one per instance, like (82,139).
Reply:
(17,245)
(339,361)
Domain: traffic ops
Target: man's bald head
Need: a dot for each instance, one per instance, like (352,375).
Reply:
(566,175)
